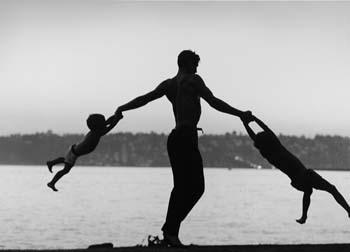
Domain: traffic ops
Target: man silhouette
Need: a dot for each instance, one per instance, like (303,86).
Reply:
(184,92)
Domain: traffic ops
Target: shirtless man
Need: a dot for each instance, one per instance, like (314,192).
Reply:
(184,92)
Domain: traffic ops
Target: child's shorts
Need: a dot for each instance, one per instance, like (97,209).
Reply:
(301,183)
(70,157)
(308,180)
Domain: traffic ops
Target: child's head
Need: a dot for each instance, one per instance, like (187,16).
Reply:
(266,142)
(96,121)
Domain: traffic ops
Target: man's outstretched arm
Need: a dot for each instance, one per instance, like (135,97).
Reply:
(222,106)
(142,100)
(217,103)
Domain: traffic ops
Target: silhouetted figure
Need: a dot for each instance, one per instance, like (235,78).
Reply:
(184,92)
(98,127)
(302,179)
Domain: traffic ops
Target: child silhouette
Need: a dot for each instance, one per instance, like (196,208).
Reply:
(302,179)
(98,127)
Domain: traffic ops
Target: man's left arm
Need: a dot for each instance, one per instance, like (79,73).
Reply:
(217,103)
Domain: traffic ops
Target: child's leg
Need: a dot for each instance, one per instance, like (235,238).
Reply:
(339,198)
(322,184)
(51,163)
(60,174)
(306,204)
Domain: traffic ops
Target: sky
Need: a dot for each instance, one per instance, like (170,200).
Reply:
(287,62)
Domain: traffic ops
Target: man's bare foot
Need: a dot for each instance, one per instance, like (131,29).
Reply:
(301,220)
(52,186)
(49,166)
(172,241)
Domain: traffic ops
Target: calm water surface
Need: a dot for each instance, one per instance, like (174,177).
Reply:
(124,205)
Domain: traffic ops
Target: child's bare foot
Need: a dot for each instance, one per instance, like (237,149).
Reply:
(301,220)
(52,186)
(49,166)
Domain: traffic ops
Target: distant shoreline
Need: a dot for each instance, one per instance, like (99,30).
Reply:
(231,150)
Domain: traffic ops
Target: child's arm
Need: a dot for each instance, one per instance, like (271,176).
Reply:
(306,204)
(251,133)
(111,122)
(263,126)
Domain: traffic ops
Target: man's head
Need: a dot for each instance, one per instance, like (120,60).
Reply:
(188,61)
(96,121)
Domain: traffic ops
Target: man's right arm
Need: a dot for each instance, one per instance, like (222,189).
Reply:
(216,103)
(142,100)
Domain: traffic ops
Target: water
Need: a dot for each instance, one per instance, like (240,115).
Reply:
(124,205)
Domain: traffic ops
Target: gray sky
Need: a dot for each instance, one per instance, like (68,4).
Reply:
(288,62)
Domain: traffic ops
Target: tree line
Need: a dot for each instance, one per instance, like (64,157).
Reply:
(230,150)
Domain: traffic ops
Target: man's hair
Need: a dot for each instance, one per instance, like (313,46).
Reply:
(187,56)
(96,121)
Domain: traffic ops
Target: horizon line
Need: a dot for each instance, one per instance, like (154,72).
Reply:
(308,136)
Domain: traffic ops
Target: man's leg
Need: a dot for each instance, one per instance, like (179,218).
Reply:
(192,185)
(188,185)
(172,222)
(171,225)
(188,188)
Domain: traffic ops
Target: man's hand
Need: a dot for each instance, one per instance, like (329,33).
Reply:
(114,118)
(247,116)
(118,112)
(118,115)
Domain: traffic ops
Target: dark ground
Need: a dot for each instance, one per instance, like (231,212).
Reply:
(213,248)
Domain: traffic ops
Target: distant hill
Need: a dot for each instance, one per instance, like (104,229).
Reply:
(229,150)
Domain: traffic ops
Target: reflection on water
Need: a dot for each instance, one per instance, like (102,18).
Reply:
(124,205)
